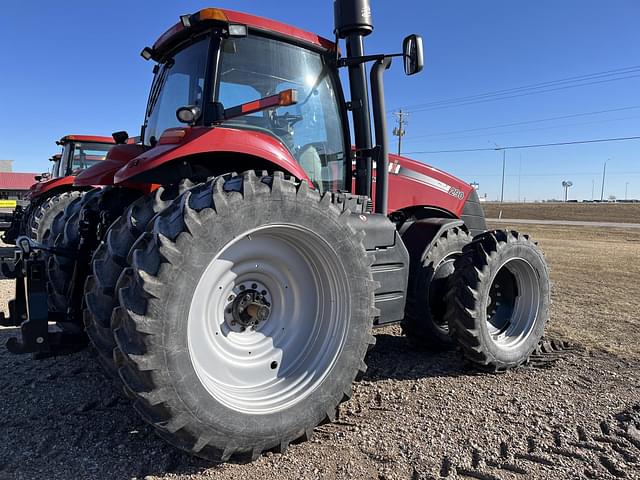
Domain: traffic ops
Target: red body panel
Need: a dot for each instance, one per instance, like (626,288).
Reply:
(41,188)
(203,140)
(414,183)
(102,173)
(87,138)
(259,23)
(278,27)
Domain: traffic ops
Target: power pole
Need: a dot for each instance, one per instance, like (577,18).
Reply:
(604,174)
(593,186)
(626,189)
(504,159)
(399,131)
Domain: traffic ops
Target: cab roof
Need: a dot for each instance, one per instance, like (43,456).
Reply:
(86,138)
(210,15)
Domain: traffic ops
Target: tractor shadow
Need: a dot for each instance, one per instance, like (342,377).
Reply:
(63,418)
(393,357)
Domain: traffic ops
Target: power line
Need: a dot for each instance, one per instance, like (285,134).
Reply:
(515,147)
(528,88)
(527,122)
(497,98)
(527,130)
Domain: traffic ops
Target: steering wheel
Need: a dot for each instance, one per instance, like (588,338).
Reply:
(292,119)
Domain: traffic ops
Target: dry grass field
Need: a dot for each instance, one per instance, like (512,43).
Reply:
(590,212)
(596,284)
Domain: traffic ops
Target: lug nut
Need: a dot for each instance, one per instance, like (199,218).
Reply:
(263,292)
(242,287)
(254,285)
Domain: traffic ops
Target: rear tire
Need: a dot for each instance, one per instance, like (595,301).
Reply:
(41,221)
(424,322)
(499,301)
(109,260)
(65,233)
(228,396)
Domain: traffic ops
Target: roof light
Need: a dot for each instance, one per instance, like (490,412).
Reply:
(212,14)
(238,30)
(146,53)
(185,20)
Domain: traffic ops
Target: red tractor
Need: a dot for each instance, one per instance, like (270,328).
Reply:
(237,309)
(54,191)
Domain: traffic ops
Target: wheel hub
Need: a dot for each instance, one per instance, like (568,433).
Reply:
(248,307)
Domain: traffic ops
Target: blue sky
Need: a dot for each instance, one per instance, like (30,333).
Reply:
(74,67)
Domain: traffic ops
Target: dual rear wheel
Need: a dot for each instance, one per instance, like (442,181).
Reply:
(244,316)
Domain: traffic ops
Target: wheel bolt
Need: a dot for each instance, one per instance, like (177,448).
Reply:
(242,287)
(263,292)
(254,285)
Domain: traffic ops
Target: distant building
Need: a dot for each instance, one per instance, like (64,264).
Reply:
(14,186)
(6,166)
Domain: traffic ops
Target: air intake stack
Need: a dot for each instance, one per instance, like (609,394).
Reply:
(353,22)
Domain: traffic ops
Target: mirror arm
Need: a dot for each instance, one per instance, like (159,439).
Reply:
(351,61)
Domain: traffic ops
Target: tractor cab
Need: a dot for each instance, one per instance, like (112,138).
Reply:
(80,152)
(55,160)
(224,77)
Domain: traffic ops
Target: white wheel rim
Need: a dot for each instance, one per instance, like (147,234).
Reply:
(514,303)
(263,366)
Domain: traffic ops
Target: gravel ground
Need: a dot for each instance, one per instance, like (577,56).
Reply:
(415,415)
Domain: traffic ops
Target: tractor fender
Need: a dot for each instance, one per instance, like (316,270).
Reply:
(47,187)
(419,236)
(198,144)
(102,172)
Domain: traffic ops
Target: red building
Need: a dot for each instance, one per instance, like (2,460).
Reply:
(14,186)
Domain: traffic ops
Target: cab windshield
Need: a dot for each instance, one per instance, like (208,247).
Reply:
(254,67)
(78,156)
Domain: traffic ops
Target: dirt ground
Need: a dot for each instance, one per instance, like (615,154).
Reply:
(415,415)
(591,212)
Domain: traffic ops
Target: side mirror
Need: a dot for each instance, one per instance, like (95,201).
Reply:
(413,54)
(188,114)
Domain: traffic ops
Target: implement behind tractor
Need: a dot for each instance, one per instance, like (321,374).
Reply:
(237,309)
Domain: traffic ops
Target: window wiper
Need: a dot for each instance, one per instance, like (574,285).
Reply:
(155,94)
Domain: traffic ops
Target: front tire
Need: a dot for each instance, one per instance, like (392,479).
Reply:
(500,297)
(424,323)
(227,380)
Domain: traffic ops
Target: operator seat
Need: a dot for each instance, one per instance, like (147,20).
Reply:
(310,161)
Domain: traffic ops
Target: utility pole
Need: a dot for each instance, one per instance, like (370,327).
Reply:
(593,186)
(504,159)
(604,174)
(519,177)
(626,189)
(399,131)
